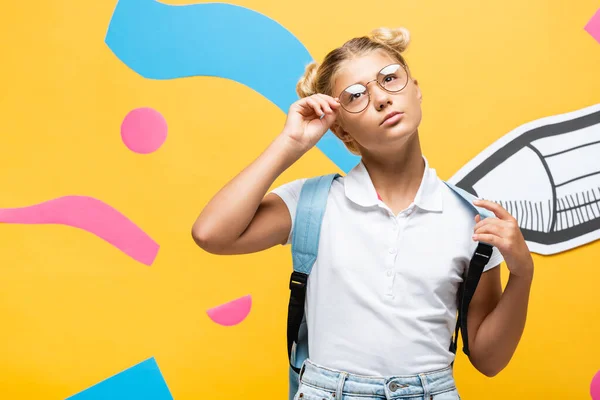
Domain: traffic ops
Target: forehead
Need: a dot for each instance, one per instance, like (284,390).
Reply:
(361,69)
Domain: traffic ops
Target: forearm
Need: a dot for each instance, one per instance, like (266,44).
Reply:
(500,332)
(231,210)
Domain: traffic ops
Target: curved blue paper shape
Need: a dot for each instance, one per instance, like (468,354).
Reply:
(160,41)
(142,381)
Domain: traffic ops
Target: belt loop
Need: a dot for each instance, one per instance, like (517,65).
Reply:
(341,383)
(425,386)
(302,371)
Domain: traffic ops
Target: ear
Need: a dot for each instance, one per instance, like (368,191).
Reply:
(419,94)
(338,131)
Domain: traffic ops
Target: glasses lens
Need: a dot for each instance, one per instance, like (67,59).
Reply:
(354,98)
(393,77)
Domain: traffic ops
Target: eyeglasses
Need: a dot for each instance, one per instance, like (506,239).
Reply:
(355,98)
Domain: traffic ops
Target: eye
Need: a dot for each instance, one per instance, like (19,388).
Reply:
(353,93)
(354,97)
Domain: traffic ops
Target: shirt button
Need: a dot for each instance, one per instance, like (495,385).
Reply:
(392,250)
(393,386)
(390,273)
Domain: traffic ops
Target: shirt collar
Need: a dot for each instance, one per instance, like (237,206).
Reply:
(360,190)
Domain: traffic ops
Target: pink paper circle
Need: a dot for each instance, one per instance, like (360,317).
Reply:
(595,387)
(231,313)
(144,130)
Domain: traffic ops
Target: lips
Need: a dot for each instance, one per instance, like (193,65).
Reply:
(392,118)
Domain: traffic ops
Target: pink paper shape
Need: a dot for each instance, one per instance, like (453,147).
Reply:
(144,130)
(595,387)
(593,26)
(93,216)
(231,313)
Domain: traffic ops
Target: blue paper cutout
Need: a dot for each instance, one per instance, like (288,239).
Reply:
(143,381)
(160,41)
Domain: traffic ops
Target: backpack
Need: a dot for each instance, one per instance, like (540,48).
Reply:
(305,245)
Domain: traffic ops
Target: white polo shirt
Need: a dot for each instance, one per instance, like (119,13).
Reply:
(381,297)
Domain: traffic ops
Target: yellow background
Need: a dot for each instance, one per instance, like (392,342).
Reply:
(75,310)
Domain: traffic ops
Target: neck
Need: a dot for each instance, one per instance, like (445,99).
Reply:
(397,176)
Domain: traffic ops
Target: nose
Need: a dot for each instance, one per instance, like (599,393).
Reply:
(380,98)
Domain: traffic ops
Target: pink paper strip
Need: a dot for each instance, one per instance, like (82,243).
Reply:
(93,216)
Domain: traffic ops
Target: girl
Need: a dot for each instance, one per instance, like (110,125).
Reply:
(395,242)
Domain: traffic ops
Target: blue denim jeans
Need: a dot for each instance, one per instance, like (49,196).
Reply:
(319,383)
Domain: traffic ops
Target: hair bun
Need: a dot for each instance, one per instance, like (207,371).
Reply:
(307,83)
(396,38)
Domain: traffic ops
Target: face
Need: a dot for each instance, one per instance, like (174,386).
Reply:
(390,118)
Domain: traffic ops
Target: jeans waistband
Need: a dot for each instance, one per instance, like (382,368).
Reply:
(392,387)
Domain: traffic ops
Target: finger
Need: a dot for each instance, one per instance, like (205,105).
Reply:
(315,106)
(304,107)
(320,106)
(488,238)
(331,115)
(491,229)
(493,207)
(333,103)
(477,218)
(492,221)
(323,103)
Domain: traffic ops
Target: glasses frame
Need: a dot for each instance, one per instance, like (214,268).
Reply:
(366,86)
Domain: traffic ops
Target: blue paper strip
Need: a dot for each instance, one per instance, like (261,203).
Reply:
(160,41)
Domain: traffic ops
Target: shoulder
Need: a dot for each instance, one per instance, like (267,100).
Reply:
(290,192)
(462,214)
(456,207)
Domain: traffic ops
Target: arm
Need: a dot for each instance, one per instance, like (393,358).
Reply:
(496,319)
(240,218)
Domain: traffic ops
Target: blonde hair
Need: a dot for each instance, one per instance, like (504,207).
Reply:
(318,78)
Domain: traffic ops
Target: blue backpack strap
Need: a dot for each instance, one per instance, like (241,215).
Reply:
(305,246)
(307,225)
(482,255)
(469,199)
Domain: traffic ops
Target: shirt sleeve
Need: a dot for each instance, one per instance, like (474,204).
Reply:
(290,194)
(495,260)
